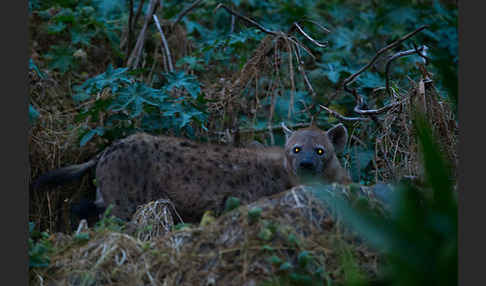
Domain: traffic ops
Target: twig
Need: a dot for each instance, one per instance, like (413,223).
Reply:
(342,117)
(185,11)
(381,110)
(422,53)
(352,77)
(164,43)
(359,100)
(137,51)
(233,21)
(317,43)
(300,67)
(394,57)
(250,21)
(297,43)
(137,15)
(292,81)
(266,129)
(130,27)
(318,25)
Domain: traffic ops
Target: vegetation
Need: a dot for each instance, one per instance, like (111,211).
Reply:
(231,72)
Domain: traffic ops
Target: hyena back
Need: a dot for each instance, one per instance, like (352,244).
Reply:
(198,177)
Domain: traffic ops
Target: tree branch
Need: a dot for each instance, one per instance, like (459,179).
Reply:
(342,117)
(359,100)
(136,52)
(185,11)
(352,77)
(164,43)
(394,57)
(317,43)
(246,19)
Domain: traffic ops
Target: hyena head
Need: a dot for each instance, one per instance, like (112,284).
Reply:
(312,151)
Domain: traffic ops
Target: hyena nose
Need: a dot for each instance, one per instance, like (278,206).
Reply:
(307,165)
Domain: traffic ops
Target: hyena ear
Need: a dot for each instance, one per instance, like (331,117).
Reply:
(287,131)
(339,136)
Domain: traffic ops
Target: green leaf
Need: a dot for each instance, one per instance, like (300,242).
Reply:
(182,80)
(274,259)
(254,214)
(231,204)
(192,62)
(56,28)
(285,266)
(34,67)
(92,132)
(133,98)
(360,158)
(303,258)
(33,114)
(81,237)
(114,79)
(79,36)
(60,58)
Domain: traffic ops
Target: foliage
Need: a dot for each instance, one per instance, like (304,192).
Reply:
(231,203)
(39,247)
(75,25)
(304,272)
(135,106)
(33,113)
(107,222)
(419,237)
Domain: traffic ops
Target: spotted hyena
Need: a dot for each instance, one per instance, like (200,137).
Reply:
(197,177)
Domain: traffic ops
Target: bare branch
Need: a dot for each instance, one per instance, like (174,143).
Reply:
(130,27)
(266,129)
(164,43)
(352,77)
(137,51)
(185,11)
(317,43)
(377,111)
(359,100)
(292,81)
(137,15)
(342,117)
(318,25)
(300,67)
(233,21)
(297,43)
(396,56)
(422,53)
(248,20)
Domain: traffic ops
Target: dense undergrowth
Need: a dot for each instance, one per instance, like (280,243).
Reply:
(212,76)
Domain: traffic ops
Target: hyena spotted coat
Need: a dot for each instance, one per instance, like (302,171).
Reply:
(198,177)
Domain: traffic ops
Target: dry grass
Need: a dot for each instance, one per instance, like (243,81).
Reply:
(54,138)
(397,154)
(233,250)
(53,144)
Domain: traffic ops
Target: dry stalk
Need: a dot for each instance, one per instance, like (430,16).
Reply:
(360,104)
(396,56)
(185,11)
(164,43)
(274,42)
(134,57)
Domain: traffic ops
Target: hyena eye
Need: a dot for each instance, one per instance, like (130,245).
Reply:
(296,150)
(319,151)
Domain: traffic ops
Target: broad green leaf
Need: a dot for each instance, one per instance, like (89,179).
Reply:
(33,114)
(61,58)
(89,135)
